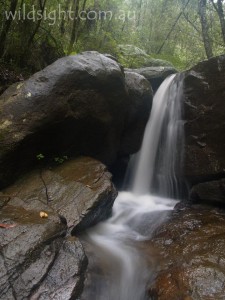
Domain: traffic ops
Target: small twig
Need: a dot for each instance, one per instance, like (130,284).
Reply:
(46,188)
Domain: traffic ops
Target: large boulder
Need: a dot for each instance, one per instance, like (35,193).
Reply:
(78,105)
(204,114)
(139,90)
(155,75)
(140,103)
(190,253)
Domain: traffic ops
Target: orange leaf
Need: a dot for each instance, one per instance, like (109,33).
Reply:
(2,225)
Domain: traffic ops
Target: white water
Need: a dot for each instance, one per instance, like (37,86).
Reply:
(138,213)
(159,156)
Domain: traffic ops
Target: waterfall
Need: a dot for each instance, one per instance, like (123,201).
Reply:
(113,244)
(159,160)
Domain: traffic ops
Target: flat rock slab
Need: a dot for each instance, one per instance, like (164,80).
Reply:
(80,191)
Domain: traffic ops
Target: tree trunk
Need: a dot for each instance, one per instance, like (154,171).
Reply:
(221,17)
(139,13)
(62,25)
(79,30)
(74,29)
(205,30)
(6,27)
(42,7)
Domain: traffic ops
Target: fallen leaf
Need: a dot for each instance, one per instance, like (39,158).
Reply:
(2,225)
(43,214)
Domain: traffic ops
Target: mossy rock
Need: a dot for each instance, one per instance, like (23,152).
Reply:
(152,62)
(133,57)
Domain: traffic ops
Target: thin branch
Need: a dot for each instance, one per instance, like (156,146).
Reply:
(171,30)
(192,24)
(214,5)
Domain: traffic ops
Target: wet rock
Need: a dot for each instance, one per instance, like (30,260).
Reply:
(204,92)
(36,260)
(80,191)
(27,251)
(155,75)
(65,279)
(77,105)
(192,260)
(212,191)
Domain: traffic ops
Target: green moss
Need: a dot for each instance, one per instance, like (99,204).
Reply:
(131,56)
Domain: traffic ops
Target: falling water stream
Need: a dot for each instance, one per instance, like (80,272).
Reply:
(117,267)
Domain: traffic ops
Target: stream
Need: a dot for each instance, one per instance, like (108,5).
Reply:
(118,267)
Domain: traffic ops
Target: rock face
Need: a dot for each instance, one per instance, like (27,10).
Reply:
(139,108)
(155,75)
(212,192)
(37,261)
(191,249)
(204,92)
(78,105)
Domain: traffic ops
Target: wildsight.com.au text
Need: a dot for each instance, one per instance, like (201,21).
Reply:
(33,14)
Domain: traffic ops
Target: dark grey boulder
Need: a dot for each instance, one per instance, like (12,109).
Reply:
(77,105)
(140,104)
(155,75)
(204,114)
(211,192)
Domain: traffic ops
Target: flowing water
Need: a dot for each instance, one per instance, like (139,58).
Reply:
(118,270)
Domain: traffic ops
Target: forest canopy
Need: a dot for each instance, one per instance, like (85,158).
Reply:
(35,33)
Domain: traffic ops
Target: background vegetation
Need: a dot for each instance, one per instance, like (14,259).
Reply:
(180,31)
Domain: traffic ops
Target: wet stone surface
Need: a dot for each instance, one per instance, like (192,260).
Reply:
(39,259)
(191,257)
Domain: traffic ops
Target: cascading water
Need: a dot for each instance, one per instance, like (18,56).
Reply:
(159,160)
(118,269)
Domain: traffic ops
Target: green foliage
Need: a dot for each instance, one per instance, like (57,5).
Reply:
(131,56)
(176,61)
(168,30)
(40,156)
(60,160)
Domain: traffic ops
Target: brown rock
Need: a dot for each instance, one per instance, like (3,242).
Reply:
(79,190)
(191,245)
